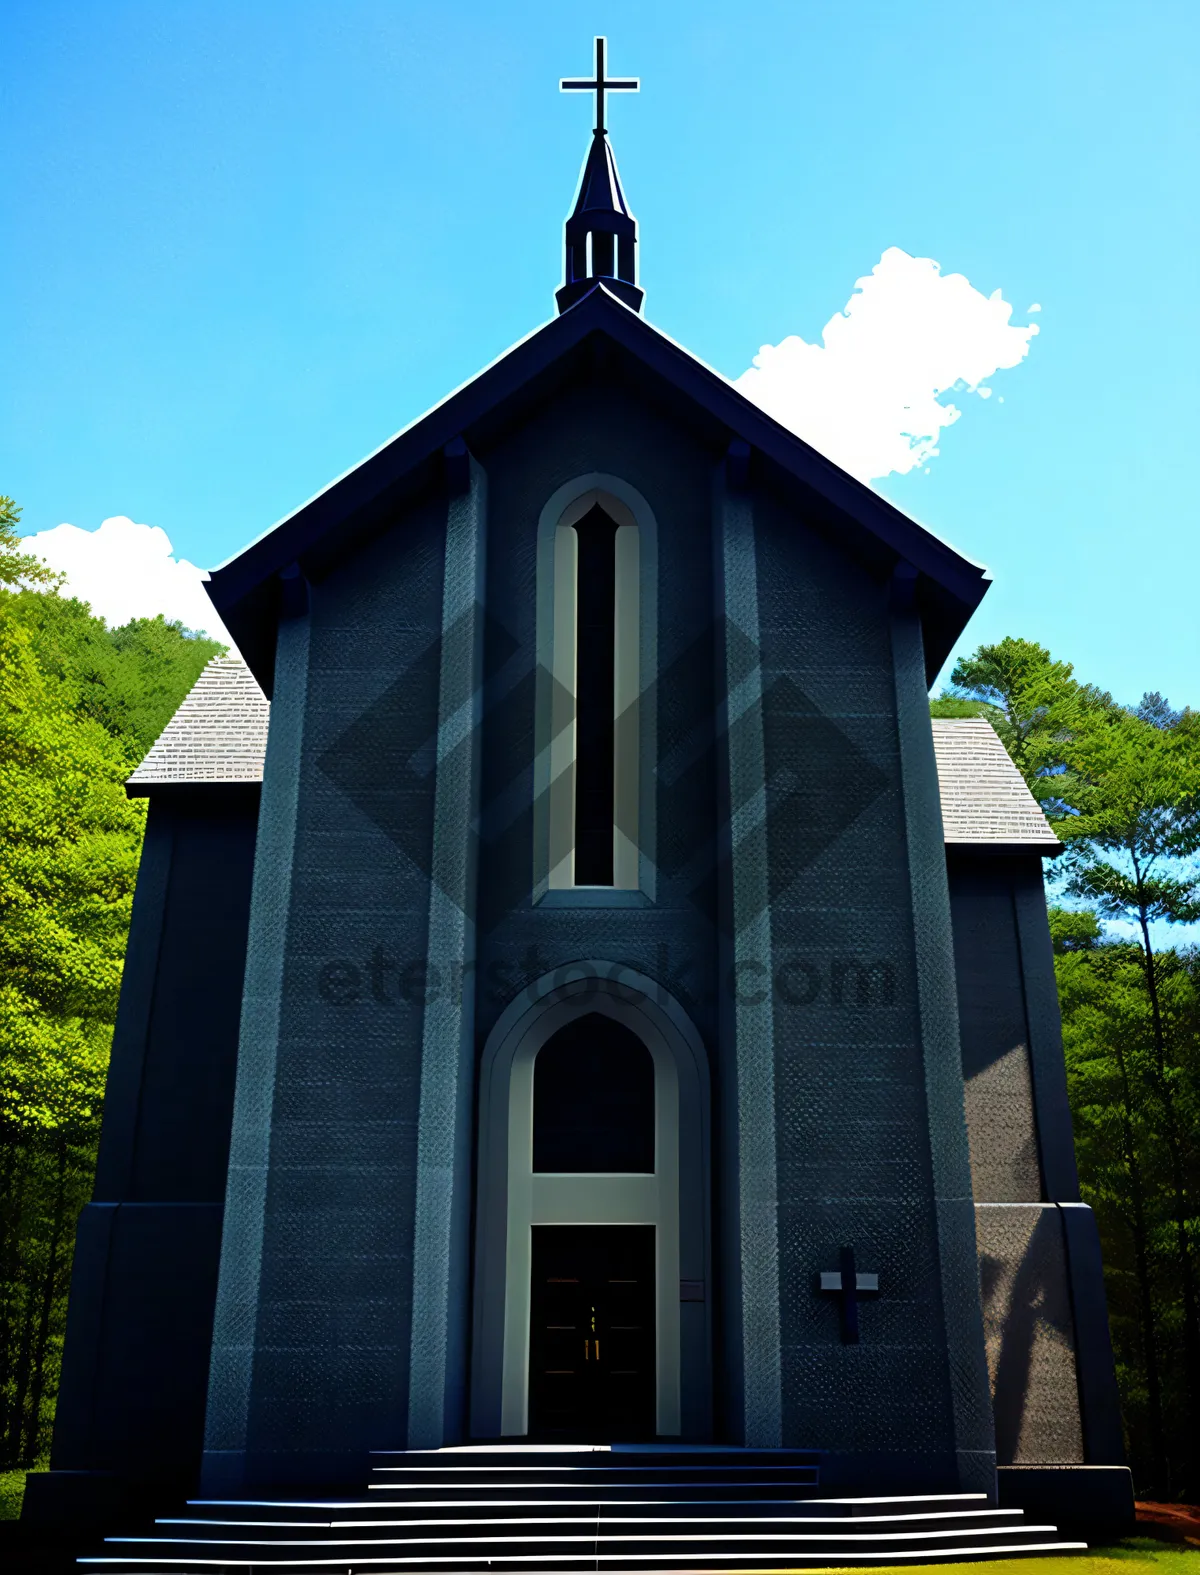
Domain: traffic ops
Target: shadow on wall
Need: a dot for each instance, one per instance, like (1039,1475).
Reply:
(1030,1337)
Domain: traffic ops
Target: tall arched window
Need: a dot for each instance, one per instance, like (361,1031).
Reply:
(595,697)
(595,724)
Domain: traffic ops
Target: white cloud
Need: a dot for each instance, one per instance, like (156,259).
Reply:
(869,396)
(128,571)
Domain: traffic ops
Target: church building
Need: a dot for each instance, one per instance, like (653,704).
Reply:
(575,994)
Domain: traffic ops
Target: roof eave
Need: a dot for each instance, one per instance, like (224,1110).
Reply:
(176,790)
(244,589)
(1044,850)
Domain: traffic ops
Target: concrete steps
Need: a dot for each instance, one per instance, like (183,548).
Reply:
(575,1508)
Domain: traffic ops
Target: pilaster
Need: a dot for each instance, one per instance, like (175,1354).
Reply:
(441,1244)
(231,1374)
(971,1410)
(746,1062)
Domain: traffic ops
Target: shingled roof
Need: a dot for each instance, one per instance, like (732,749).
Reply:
(219,734)
(985,802)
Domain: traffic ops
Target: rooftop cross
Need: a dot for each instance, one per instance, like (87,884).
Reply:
(599,85)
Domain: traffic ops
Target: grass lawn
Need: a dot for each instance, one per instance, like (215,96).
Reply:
(1135,1556)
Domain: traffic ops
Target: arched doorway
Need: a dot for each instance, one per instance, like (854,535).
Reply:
(592,1308)
(623,1082)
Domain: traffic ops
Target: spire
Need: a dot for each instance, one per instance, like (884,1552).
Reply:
(601,234)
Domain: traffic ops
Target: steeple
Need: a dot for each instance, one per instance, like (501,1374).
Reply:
(601,234)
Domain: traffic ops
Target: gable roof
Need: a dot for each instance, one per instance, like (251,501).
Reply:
(219,734)
(985,801)
(245,590)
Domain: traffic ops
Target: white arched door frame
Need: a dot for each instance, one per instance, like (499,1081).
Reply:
(511,1200)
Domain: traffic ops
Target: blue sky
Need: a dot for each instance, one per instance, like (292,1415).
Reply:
(249,241)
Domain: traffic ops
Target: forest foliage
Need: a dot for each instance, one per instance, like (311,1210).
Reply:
(79,705)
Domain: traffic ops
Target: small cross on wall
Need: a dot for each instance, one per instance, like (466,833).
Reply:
(845,1281)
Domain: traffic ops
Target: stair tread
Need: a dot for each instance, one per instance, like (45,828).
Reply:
(591,1538)
(824,1520)
(942,1554)
(581,1507)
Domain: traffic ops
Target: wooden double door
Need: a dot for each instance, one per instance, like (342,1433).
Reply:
(592,1333)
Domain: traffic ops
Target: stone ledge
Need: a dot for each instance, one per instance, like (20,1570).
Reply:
(1095,1500)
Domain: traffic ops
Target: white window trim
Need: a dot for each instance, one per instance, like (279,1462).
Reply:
(636,659)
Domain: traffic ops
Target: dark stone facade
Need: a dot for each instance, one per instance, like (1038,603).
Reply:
(824,959)
(139,1332)
(1053,1384)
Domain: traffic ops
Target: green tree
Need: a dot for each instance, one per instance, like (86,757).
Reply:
(79,705)
(1073,930)
(1034,702)
(1100,1018)
(129,679)
(69,842)
(1125,1165)
(69,839)
(1136,784)
(17,566)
